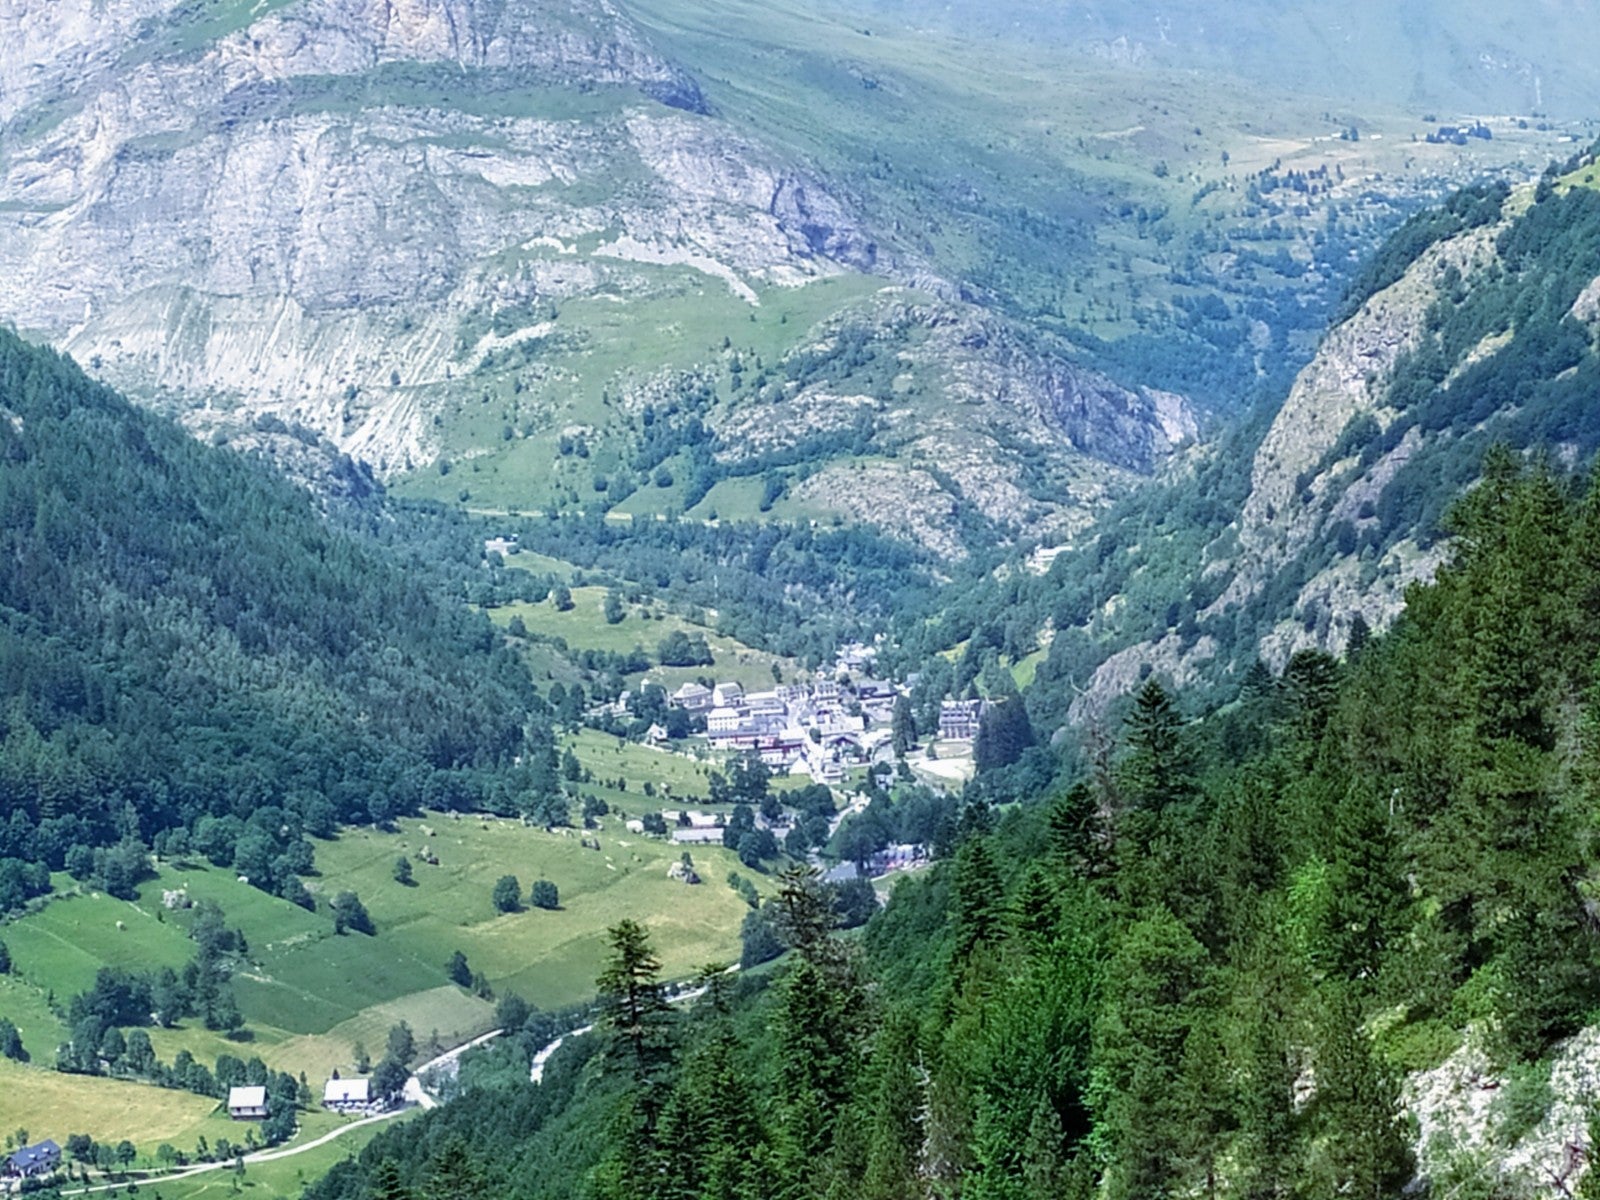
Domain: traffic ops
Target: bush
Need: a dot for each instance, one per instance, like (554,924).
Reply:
(544,894)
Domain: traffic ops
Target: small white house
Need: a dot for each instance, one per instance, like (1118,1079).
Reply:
(247,1103)
(726,694)
(346,1095)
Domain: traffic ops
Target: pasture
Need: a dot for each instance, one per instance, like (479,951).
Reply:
(311,997)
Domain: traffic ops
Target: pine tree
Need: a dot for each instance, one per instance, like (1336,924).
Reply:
(1158,771)
(385,1182)
(979,899)
(895,1106)
(903,727)
(1366,1147)
(634,1011)
(453,1174)
(1034,912)
(1367,888)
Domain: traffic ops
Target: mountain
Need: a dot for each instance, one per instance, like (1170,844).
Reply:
(1480,57)
(448,239)
(185,642)
(1474,326)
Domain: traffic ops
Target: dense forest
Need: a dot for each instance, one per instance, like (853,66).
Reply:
(192,659)
(1204,967)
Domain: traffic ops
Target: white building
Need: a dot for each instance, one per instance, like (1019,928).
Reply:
(723,719)
(346,1095)
(247,1103)
(726,694)
(693,697)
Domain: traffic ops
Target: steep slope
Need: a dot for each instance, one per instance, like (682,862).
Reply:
(364,218)
(182,638)
(1476,325)
(300,212)
(451,237)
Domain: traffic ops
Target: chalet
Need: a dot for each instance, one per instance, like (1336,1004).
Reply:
(503,544)
(247,1103)
(959,719)
(693,698)
(33,1161)
(347,1095)
(656,735)
(725,695)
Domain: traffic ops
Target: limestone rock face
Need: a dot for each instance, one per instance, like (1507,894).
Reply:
(345,215)
(299,213)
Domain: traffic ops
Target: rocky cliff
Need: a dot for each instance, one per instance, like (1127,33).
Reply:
(1478,327)
(297,214)
(350,215)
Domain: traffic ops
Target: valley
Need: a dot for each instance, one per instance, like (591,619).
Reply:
(996,601)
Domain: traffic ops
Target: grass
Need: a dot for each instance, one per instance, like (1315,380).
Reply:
(550,958)
(49,1104)
(583,627)
(310,996)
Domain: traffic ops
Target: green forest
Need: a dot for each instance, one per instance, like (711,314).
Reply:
(192,658)
(1203,968)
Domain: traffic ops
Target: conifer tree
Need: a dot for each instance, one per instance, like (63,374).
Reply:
(1366,1146)
(634,1013)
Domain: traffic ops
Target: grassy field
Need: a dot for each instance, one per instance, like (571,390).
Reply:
(49,1104)
(583,627)
(309,997)
(283,1177)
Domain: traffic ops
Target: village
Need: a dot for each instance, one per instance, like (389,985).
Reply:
(823,728)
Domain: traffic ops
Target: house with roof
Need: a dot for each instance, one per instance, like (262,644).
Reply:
(726,695)
(503,544)
(32,1162)
(693,698)
(247,1103)
(959,719)
(347,1095)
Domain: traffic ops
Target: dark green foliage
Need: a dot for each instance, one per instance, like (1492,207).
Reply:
(507,894)
(1004,732)
(349,913)
(544,894)
(183,638)
(1123,992)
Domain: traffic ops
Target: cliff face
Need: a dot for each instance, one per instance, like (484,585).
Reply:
(350,215)
(1486,334)
(309,205)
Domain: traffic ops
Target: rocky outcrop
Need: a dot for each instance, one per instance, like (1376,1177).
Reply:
(1466,1126)
(1001,424)
(1308,481)
(309,214)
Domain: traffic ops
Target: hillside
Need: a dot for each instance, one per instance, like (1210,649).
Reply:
(848,297)
(183,638)
(1303,527)
(1331,940)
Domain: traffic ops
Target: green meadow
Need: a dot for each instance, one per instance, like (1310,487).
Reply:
(310,997)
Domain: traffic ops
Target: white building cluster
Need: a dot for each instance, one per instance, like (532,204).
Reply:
(820,727)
